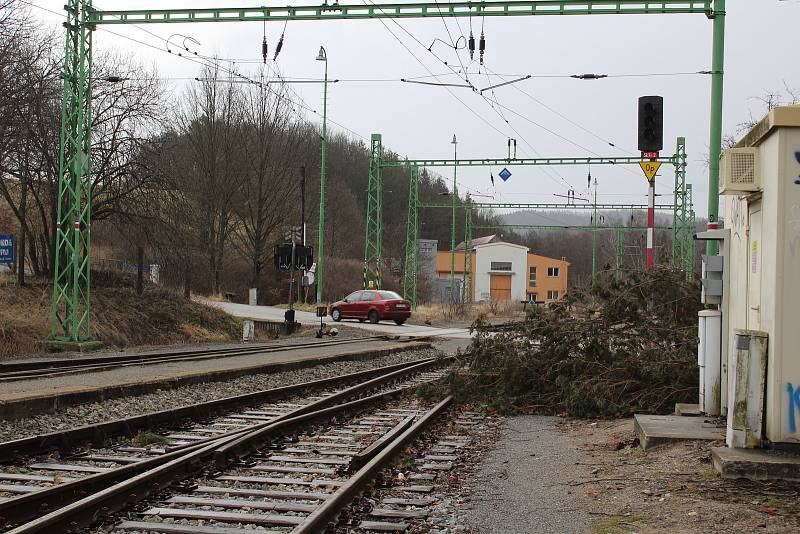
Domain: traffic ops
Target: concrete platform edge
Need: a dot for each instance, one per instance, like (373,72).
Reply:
(755,464)
(26,407)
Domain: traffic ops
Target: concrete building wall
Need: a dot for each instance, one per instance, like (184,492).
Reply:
(500,252)
(544,284)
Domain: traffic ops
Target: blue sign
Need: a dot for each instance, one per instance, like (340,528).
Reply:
(505,174)
(6,248)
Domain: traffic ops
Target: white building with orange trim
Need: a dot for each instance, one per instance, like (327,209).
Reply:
(505,271)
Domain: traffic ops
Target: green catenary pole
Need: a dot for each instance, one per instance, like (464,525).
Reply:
(715,141)
(373,242)
(692,224)
(412,229)
(594,234)
(679,214)
(71,278)
(453,200)
(468,254)
(322,170)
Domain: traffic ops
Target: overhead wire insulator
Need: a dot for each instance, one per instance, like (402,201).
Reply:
(471,46)
(482,46)
(589,76)
(280,41)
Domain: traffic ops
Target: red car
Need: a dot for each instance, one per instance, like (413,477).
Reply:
(372,305)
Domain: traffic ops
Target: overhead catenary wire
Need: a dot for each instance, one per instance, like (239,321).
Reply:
(506,121)
(206,62)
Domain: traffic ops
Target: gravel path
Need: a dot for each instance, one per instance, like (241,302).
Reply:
(519,487)
(165,399)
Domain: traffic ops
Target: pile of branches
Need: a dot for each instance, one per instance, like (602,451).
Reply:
(627,343)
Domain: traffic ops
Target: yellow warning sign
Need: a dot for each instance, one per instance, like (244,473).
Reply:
(650,169)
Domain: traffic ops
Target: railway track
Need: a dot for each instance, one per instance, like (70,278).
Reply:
(57,367)
(82,485)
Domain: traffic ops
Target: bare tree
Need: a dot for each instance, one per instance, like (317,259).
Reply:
(273,147)
(124,114)
(211,132)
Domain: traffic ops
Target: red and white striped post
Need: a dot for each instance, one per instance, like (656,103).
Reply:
(650,169)
(651,215)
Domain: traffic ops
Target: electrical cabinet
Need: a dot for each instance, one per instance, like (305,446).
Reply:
(763,267)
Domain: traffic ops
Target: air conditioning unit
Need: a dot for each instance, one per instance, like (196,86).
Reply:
(739,171)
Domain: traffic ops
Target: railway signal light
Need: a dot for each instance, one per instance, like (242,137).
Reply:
(651,123)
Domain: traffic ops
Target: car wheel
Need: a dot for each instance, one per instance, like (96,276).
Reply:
(373,317)
(336,315)
(399,322)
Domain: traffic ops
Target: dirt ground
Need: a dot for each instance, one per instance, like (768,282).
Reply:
(670,489)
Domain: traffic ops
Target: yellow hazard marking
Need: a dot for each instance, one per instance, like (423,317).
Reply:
(650,169)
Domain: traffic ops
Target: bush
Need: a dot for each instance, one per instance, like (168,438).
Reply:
(626,344)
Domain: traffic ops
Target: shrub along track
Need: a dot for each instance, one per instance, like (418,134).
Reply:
(122,475)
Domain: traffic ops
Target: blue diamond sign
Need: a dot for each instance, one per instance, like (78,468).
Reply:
(505,174)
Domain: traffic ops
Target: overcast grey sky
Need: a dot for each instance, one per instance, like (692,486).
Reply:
(419,121)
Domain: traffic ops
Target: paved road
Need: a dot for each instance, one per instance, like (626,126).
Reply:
(270,313)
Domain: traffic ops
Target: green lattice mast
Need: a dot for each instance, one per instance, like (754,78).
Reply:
(412,232)
(71,279)
(373,244)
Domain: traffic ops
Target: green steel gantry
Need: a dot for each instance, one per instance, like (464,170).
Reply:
(683,216)
(71,280)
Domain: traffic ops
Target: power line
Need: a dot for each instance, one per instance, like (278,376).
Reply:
(556,112)
(544,171)
(206,62)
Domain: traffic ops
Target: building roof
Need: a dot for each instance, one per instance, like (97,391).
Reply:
(478,241)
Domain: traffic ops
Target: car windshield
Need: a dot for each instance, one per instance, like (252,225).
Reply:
(353,297)
(390,295)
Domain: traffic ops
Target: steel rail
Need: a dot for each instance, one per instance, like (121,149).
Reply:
(136,481)
(319,519)
(99,432)
(25,370)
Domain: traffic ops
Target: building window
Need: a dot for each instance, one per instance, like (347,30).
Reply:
(501,266)
(533,297)
(553,272)
(552,295)
(533,277)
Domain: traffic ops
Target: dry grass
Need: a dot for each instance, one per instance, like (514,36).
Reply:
(120,318)
(443,314)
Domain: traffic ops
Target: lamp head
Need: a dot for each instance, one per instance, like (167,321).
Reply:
(322,56)
(454,142)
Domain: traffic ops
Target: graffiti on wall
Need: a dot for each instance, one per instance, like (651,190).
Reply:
(794,407)
(797,157)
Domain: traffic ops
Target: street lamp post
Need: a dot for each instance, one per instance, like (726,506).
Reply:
(322,56)
(454,142)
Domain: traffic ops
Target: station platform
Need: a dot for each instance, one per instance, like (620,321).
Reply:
(26,397)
